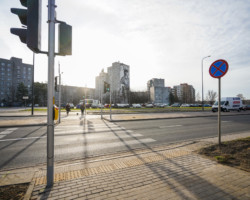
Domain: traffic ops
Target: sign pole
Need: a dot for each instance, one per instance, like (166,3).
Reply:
(110,98)
(217,70)
(50,121)
(219,111)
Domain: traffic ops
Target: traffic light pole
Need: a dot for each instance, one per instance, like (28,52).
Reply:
(50,120)
(33,78)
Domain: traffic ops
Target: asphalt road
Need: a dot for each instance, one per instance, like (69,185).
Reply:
(80,138)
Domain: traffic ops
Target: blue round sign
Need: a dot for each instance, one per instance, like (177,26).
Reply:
(218,68)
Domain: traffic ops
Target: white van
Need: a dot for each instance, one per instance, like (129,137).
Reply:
(228,103)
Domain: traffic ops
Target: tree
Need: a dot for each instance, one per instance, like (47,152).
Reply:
(198,97)
(22,91)
(211,96)
(138,97)
(241,96)
(40,93)
(171,98)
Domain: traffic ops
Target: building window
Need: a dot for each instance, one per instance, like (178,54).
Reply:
(9,65)
(18,67)
(3,64)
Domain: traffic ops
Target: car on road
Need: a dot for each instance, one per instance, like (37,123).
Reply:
(71,105)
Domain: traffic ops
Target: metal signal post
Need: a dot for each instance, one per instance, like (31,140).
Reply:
(50,106)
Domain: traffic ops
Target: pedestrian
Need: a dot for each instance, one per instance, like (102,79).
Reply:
(82,107)
(67,108)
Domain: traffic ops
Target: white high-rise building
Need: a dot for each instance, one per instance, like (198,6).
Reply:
(118,76)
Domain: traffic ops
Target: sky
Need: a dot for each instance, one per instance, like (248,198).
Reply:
(165,39)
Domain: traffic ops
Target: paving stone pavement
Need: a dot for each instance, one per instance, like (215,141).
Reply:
(170,172)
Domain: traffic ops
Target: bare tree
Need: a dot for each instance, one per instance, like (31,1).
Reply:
(198,97)
(241,96)
(211,96)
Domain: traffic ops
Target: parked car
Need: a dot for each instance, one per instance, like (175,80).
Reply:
(36,105)
(136,105)
(176,105)
(106,106)
(195,105)
(71,105)
(149,105)
(159,105)
(185,105)
(245,107)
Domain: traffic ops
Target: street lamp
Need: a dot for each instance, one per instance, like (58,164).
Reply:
(202,101)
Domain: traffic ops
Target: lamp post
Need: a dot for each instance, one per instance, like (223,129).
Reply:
(202,101)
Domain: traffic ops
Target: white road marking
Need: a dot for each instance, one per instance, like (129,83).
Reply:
(102,146)
(91,131)
(170,126)
(7,132)
(17,139)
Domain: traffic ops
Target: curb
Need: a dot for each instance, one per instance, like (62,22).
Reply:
(23,125)
(29,191)
(178,117)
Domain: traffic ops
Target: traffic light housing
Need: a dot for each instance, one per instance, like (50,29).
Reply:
(106,87)
(65,39)
(31,18)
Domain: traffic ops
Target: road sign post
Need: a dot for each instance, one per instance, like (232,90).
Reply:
(218,69)
(219,112)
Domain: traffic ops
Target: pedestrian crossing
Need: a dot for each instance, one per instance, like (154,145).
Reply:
(7,132)
(96,135)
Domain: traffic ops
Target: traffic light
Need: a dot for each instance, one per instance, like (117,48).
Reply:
(31,18)
(106,87)
(56,86)
(65,39)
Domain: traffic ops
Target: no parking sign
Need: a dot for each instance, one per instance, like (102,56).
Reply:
(217,70)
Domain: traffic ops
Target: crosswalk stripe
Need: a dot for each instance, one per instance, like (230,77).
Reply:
(90,131)
(99,146)
(7,132)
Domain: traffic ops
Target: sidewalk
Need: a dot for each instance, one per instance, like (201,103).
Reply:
(164,172)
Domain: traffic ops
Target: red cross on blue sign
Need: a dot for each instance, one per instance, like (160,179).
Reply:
(218,68)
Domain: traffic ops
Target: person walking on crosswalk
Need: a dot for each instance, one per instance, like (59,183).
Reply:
(82,107)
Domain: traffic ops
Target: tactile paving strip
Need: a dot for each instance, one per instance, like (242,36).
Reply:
(112,165)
